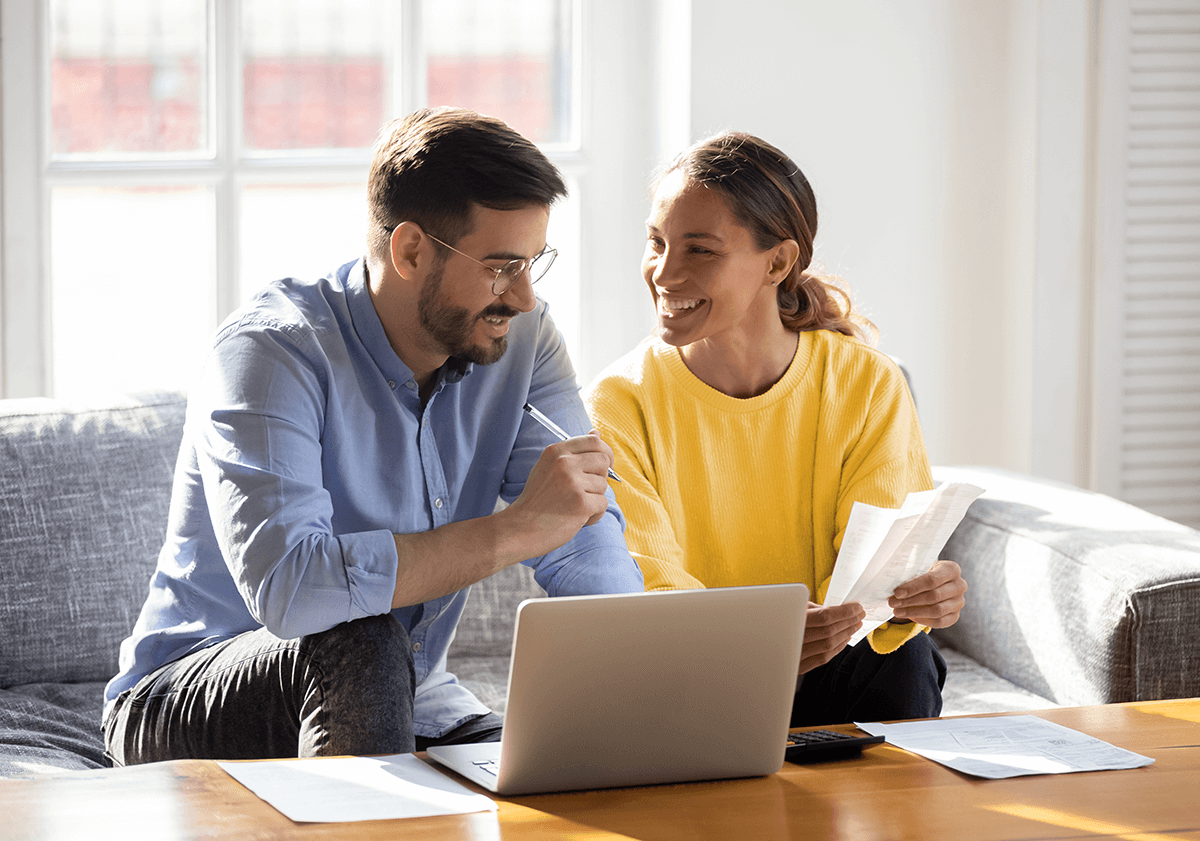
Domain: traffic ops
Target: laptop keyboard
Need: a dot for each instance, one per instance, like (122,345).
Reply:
(489,765)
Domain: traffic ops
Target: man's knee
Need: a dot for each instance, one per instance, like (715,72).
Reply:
(373,651)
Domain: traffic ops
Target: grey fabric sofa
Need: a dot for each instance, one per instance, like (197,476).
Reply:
(1062,609)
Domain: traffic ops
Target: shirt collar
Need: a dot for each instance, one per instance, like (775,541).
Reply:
(370,332)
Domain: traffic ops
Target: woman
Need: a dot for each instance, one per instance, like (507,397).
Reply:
(746,429)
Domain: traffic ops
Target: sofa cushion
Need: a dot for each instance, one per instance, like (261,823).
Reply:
(84,493)
(1074,595)
(486,626)
(50,727)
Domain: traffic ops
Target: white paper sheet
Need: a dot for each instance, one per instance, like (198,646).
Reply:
(1006,746)
(884,547)
(356,788)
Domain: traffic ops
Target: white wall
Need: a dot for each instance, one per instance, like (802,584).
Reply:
(915,121)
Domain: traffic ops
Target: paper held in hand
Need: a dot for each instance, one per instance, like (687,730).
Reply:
(884,547)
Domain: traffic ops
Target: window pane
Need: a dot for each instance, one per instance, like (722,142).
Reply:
(128,77)
(314,73)
(560,287)
(303,231)
(512,60)
(132,289)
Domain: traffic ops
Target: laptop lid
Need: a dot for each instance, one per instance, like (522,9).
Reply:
(646,688)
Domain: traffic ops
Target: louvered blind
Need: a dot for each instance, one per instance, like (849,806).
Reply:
(1160,422)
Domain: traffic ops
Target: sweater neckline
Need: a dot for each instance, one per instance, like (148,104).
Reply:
(702,391)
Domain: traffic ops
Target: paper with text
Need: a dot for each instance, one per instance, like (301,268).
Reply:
(884,547)
(356,788)
(1006,746)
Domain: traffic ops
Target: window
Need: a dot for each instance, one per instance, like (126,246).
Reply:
(189,151)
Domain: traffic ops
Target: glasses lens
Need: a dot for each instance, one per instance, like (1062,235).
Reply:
(512,271)
(509,274)
(541,264)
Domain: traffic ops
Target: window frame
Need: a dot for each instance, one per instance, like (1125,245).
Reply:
(28,174)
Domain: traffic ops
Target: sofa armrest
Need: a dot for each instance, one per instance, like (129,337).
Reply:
(1074,595)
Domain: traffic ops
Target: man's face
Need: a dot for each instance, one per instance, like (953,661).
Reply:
(457,308)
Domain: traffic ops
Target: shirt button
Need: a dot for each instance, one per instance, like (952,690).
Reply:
(437,503)
(412,384)
(416,646)
(391,383)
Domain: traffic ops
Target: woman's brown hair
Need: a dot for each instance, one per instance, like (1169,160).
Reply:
(770,196)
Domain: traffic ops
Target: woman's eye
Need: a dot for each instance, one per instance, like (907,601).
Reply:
(696,249)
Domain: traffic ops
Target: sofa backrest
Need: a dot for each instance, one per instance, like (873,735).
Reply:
(84,494)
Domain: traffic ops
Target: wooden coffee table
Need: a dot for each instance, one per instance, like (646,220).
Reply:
(886,794)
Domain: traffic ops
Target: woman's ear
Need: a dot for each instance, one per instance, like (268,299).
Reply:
(406,248)
(782,258)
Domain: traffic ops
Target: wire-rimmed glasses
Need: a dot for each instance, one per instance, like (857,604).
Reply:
(505,276)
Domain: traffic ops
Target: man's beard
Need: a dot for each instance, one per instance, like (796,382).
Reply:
(452,326)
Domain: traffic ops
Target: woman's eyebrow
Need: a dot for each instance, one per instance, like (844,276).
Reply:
(693,235)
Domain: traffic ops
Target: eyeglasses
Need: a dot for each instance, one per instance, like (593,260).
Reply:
(504,277)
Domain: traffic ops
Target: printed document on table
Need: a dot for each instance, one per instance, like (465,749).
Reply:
(356,788)
(1006,746)
(884,547)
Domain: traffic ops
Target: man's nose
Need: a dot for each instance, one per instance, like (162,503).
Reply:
(520,295)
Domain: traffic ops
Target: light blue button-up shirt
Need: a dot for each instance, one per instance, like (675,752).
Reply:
(306,447)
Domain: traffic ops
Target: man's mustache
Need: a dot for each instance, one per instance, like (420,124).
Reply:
(499,311)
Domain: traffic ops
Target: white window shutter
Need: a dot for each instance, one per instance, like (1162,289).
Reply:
(1158,420)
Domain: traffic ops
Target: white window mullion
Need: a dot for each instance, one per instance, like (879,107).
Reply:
(226,113)
(408,79)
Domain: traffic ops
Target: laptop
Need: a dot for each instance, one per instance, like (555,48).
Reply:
(643,688)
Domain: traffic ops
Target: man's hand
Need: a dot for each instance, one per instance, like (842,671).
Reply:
(826,632)
(934,599)
(564,492)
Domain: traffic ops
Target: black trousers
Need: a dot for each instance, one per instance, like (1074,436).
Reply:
(860,685)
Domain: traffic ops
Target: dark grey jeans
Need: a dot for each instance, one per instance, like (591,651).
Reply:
(348,690)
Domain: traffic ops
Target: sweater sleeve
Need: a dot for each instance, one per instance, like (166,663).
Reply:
(886,463)
(619,418)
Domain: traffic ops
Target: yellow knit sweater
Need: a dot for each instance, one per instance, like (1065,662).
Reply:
(720,491)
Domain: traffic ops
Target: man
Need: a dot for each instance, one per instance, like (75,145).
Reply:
(343,453)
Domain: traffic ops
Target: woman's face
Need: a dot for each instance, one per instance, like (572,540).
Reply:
(707,277)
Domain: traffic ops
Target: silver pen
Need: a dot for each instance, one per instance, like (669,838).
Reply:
(559,433)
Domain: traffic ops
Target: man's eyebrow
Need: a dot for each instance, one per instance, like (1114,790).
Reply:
(511,255)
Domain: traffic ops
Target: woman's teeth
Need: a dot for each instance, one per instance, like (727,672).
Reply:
(677,305)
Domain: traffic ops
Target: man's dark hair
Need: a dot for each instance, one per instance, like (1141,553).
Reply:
(433,165)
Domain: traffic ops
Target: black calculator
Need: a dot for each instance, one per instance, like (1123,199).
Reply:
(825,745)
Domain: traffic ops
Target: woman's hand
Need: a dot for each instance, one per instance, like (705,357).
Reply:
(826,632)
(934,599)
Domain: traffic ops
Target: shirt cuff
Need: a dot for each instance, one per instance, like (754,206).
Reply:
(370,561)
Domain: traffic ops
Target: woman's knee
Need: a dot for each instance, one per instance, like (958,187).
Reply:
(921,656)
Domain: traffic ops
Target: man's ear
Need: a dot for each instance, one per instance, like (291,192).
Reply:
(406,241)
(783,256)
